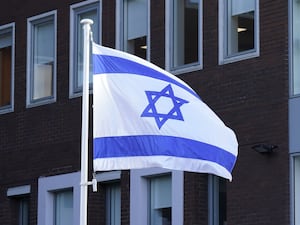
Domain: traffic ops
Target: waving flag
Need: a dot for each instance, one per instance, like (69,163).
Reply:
(146,117)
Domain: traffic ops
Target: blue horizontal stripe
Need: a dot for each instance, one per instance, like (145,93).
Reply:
(112,64)
(156,145)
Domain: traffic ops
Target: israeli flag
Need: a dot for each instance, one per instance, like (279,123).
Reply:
(146,117)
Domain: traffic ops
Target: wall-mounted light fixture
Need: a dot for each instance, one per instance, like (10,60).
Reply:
(264,148)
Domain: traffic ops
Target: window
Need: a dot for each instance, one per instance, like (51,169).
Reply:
(7,33)
(217,200)
(112,196)
(295,48)
(184,35)
(83,10)
(59,199)
(20,197)
(296,191)
(156,197)
(133,25)
(63,206)
(41,59)
(113,204)
(161,200)
(238,30)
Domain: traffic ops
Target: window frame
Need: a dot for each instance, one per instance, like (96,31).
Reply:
(111,179)
(224,58)
(159,203)
(47,186)
(22,195)
(75,10)
(24,209)
(139,187)
(169,33)
(31,22)
(112,191)
(59,205)
(10,27)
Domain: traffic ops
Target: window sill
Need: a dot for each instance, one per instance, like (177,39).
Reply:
(239,57)
(40,102)
(186,69)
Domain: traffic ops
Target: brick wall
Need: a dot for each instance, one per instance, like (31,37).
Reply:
(44,140)
(250,96)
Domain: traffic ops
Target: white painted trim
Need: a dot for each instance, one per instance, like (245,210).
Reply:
(120,23)
(73,8)
(148,40)
(119,38)
(108,176)
(46,188)
(19,190)
(139,193)
(223,58)
(294,125)
(30,25)
(168,41)
(167,35)
(290,46)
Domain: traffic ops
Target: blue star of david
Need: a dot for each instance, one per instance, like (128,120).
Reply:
(152,111)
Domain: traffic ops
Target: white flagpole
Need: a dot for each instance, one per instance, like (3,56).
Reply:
(85,120)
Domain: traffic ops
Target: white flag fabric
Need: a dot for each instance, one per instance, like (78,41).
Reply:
(146,117)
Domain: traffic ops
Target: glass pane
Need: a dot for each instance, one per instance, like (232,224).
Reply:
(43,60)
(185,32)
(113,204)
(245,31)
(5,76)
(93,15)
(135,27)
(138,47)
(240,32)
(242,6)
(297,190)
(161,200)
(64,208)
(296,47)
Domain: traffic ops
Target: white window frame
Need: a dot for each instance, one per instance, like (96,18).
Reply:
(139,194)
(120,26)
(11,28)
(47,186)
(223,24)
(31,22)
(169,41)
(74,92)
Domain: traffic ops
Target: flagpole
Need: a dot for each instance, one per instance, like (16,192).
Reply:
(85,120)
